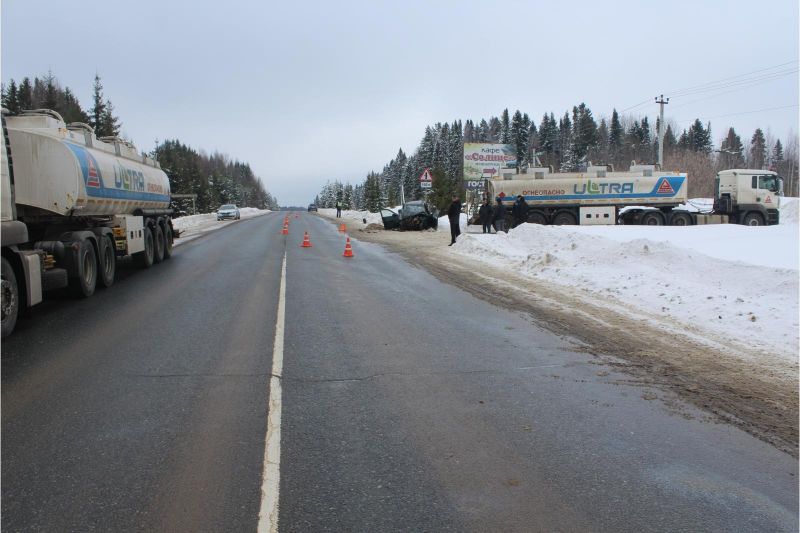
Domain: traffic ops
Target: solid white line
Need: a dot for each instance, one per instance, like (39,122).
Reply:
(270,484)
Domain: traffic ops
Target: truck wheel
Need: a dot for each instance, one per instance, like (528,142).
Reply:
(10,298)
(158,244)
(145,259)
(84,280)
(107,261)
(167,241)
(652,218)
(564,219)
(753,219)
(537,217)
(681,219)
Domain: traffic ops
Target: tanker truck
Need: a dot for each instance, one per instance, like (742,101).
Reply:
(642,195)
(72,205)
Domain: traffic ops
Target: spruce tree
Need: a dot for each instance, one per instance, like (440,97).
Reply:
(108,122)
(99,108)
(732,150)
(505,128)
(25,94)
(11,97)
(758,149)
(615,138)
(777,155)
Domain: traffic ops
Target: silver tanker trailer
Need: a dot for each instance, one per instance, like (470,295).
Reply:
(72,204)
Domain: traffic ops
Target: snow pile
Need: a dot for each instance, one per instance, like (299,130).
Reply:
(734,281)
(356,216)
(789,210)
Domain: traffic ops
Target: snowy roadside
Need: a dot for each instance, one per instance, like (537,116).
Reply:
(737,282)
(193,226)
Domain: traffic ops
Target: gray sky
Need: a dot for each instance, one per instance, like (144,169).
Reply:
(311,91)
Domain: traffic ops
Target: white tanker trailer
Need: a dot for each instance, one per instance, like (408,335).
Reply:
(72,204)
(642,195)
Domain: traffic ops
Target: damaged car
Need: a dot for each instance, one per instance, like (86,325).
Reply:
(413,216)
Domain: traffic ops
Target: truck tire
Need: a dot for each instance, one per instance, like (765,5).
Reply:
(145,259)
(564,218)
(680,219)
(537,217)
(158,244)
(107,261)
(10,298)
(84,280)
(753,218)
(652,218)
(167,241)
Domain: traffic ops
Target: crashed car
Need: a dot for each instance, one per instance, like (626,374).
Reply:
(413,216)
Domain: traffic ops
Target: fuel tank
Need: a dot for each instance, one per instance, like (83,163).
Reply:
(67,170)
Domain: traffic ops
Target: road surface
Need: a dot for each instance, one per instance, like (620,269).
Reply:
(406,405)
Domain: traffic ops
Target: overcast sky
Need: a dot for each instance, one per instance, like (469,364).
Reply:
(311,91)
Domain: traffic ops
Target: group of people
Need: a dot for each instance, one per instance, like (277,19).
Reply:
(489,216)
(496,217)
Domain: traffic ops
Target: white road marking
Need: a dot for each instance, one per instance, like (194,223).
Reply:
(270,483)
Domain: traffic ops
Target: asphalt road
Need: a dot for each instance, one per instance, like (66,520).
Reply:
(407,405)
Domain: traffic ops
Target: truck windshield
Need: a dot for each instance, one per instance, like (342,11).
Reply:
(770,183)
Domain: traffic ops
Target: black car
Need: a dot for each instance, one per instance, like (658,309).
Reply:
(415,215)
(312,207)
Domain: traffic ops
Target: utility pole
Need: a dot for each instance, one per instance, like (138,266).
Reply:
(661,130)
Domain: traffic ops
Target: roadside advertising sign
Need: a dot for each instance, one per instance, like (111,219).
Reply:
(483,161)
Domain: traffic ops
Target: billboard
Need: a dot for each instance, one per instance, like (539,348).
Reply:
(484,161)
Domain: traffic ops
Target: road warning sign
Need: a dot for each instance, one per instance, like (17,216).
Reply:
(426,180)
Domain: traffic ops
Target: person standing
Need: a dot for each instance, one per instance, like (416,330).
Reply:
(454,216)
(520,211)
(485,216)
(499,216)
(338,209)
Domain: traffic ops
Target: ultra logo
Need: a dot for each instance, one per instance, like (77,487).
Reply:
(593,187)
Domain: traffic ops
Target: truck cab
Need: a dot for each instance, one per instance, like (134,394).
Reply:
(751,197)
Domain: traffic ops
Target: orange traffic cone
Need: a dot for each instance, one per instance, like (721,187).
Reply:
(306,241)
(285,230)
(348,250)
(342,227)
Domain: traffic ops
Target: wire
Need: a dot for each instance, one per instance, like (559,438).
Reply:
(676,91)
(740,113)
(729,82)
(715,95)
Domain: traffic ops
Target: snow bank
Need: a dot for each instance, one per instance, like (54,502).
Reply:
(193,226)
(788,207)
(736,282)
(355,216)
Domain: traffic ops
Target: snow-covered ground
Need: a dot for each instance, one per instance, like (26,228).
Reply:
(192,226)
(735,281)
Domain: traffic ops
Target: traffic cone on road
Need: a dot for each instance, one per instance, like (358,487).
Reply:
(342,227)
(285,230)
(306,241)
(348,250)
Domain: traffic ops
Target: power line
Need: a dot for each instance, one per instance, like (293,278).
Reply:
(728,82)
(676,91)
(738,83)
(740,113)
(714,95)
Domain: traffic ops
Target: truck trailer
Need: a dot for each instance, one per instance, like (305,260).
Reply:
(72,205)
(642,195)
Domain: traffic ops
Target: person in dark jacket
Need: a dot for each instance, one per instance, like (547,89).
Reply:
(499,216)
(454,215)
(485,216)
(520,211)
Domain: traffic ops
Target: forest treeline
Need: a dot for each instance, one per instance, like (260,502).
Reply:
(215,178)
(568,143)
